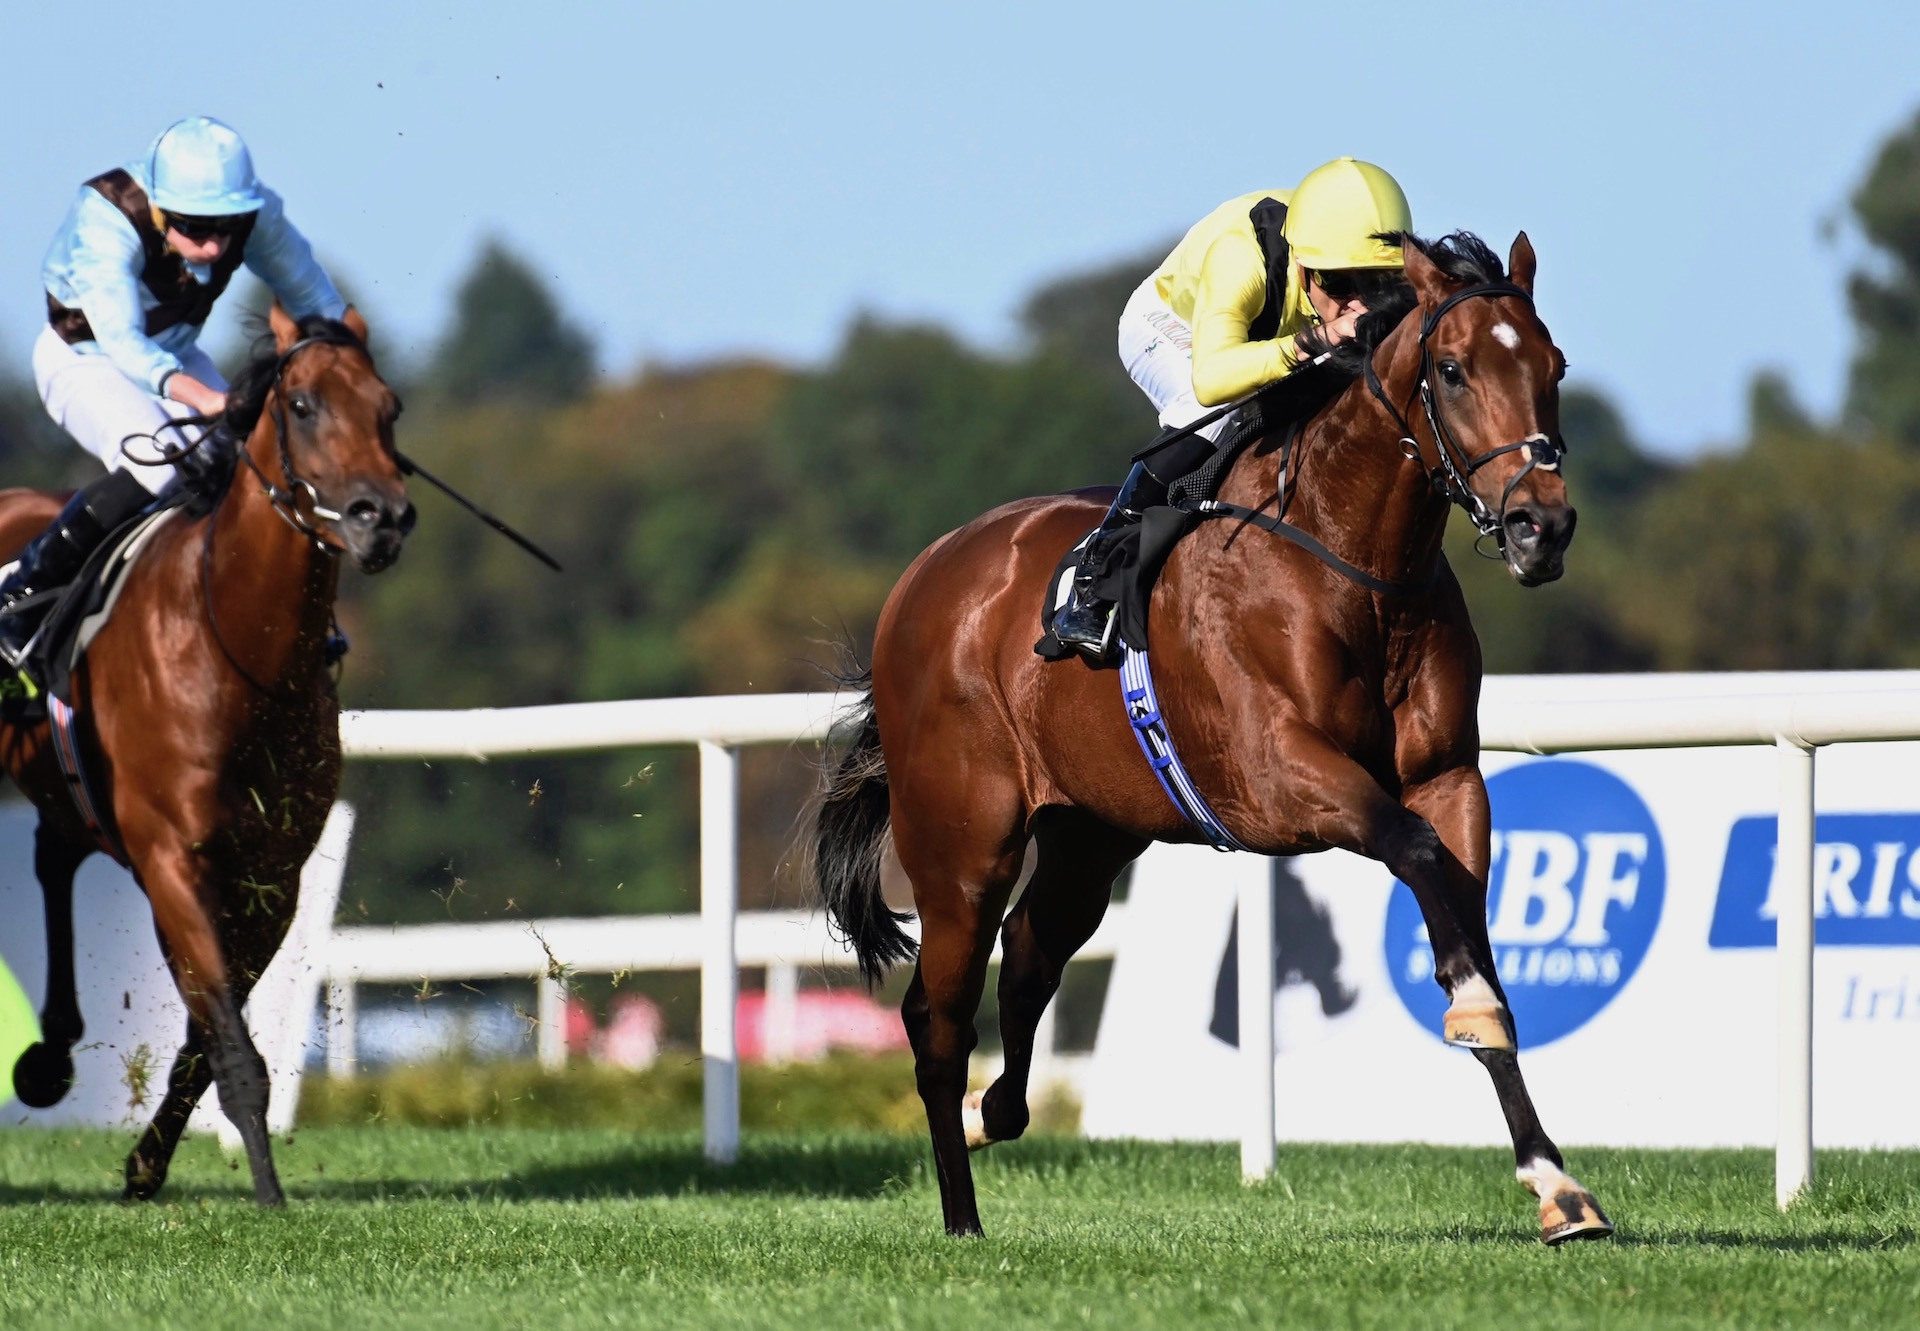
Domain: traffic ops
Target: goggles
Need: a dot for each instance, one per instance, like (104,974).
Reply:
(1363,284)
(202,228)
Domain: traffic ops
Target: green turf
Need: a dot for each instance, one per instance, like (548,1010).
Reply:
(400,1227)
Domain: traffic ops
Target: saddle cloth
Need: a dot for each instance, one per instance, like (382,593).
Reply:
(88,601)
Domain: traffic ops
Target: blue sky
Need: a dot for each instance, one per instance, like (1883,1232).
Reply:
(702,180)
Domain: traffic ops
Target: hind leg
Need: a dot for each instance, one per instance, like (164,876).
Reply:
(43,1074)
(1456,806)
(1056,915)
(963,856)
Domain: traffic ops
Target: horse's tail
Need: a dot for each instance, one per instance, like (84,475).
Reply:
(850,840)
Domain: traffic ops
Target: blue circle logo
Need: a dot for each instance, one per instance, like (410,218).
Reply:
(1574,894)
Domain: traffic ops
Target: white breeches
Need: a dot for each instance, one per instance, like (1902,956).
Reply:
(1156,346)
(91,400)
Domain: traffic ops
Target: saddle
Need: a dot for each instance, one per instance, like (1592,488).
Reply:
(82,607)
(1129,562)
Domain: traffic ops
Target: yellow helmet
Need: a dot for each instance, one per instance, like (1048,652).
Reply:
(1335,213)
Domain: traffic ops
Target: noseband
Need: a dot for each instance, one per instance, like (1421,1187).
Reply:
(1456,466)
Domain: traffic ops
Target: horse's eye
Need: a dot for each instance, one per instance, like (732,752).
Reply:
(1451,375)
(302,406)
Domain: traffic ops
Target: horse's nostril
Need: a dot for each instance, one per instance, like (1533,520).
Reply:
(364,511)
(1522,523)
(407,518)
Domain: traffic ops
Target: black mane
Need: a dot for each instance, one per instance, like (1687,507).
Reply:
(247,395)
(1462,256)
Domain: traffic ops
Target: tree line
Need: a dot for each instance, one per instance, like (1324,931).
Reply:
(726,525)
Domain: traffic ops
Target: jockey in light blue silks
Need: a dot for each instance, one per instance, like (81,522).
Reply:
(130,279)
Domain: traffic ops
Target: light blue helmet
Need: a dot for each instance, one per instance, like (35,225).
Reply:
(201,168)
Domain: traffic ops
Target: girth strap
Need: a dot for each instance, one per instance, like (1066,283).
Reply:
(66,750)
(1150,729)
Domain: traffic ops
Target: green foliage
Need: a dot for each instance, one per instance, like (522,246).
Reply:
(1802,552)
(1885,390)
(507,341)
(842,1092)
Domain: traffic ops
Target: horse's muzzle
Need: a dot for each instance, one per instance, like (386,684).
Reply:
(374,526)
(1537,538)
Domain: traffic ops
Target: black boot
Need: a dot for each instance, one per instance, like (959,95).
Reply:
(1085,623)
(54,558)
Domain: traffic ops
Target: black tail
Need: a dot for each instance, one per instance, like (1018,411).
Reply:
(850,839)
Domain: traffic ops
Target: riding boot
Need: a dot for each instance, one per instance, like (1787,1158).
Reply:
(1085,622)
(55,557)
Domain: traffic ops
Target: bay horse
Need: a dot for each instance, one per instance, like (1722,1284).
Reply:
(208,721)
(1312,710)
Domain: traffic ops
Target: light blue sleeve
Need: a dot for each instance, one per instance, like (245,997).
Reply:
(281,257)
(105,262)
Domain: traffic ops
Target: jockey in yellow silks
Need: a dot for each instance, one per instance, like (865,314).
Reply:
(1221,318)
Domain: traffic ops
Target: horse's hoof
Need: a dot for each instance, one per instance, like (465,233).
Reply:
(42,1075)
(1478,1026)
(975,1121)
(1571,1214)
(144,1181)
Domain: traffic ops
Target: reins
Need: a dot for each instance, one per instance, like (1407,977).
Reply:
(284,500)
(1449,476)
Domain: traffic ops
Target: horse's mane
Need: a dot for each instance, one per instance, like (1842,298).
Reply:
(1462,256)
(247,395)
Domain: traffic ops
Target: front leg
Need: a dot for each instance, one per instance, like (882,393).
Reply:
(43,1074)
(185,903)
(1454,804)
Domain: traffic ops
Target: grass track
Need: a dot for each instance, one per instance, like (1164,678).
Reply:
(405,1227)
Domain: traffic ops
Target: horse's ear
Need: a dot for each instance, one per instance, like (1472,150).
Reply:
(356,324)
(1429,283)
(1521,263)
(285,331)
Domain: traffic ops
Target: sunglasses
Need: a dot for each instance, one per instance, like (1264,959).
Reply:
(1364,284)
(201,228)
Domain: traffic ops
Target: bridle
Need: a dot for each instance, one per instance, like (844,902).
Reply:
(286,498)
(1455,466)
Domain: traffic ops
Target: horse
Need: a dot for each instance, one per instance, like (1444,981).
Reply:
(1315,706)
(207,719)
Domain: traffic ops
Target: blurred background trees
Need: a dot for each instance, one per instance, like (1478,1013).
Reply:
(725,525)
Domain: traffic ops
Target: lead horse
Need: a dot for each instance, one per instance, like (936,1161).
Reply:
(1314,707)
(208,720)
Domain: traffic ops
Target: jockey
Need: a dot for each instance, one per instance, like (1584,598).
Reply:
(1221,319)
(130,279)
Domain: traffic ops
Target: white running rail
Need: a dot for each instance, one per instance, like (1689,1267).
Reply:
(1792,714)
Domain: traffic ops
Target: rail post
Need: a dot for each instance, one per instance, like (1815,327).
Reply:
(719,976)
(1793,948)
(1255,981)
(342,1026)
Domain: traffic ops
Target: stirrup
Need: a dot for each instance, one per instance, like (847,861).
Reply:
(1100,650)
(1104,653)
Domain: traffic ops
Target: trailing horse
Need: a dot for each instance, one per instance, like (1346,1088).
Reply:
(1319,698)
(207,720)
